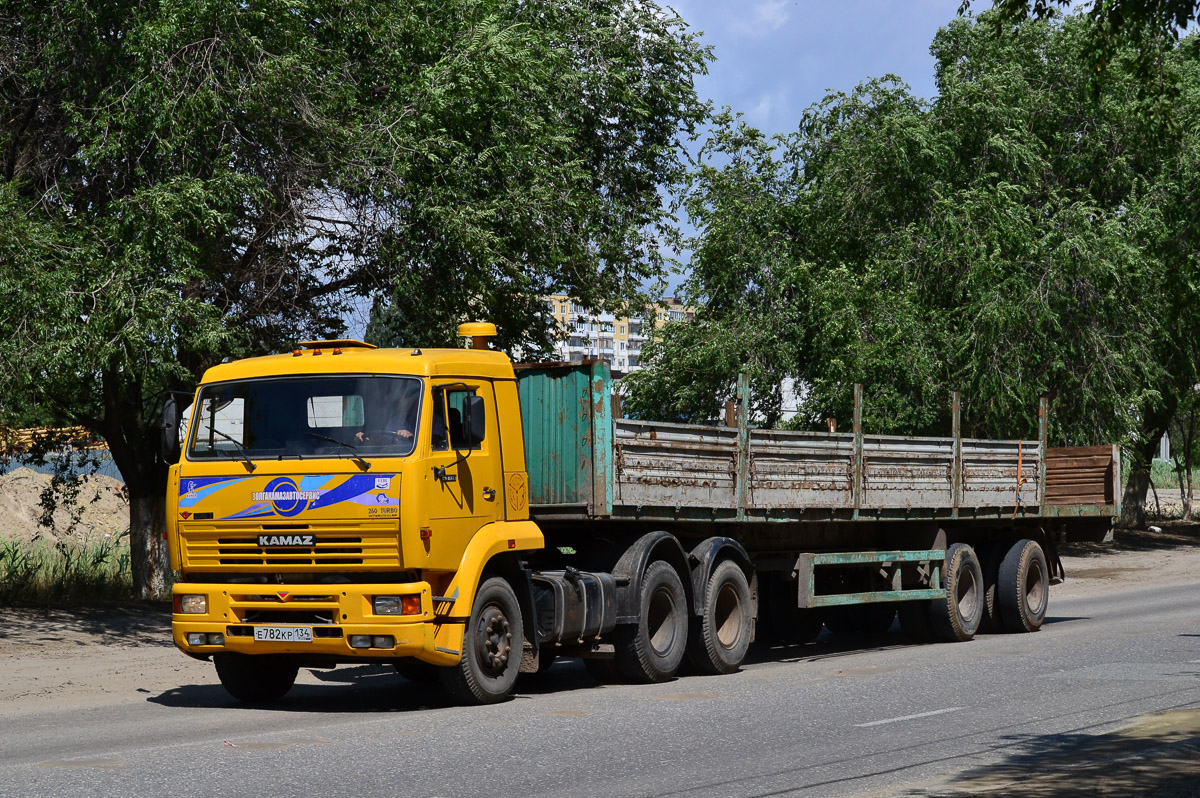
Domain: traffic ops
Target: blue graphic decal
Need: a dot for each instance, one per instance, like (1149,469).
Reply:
(354,486)
(315,482)
(289,496)
(192,491)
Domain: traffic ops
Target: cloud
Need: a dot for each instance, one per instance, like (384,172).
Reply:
(772,12)
(762,113)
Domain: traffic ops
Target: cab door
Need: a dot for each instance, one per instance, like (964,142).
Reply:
(462,481)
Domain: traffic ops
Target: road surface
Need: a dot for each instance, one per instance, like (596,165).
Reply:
(1105,700)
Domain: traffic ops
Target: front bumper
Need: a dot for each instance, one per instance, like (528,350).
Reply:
(334,613)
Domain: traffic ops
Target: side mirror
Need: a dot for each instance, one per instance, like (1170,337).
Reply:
(170,431)
(474,422)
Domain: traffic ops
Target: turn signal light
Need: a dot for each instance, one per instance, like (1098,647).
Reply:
(410,605)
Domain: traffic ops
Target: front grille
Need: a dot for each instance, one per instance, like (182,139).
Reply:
(287,617)
(367,544)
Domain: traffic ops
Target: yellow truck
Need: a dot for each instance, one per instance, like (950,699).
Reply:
(444,511)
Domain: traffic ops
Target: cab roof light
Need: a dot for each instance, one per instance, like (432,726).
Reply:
(339,343)
(479,332)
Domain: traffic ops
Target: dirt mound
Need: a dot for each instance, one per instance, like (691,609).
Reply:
(101,509)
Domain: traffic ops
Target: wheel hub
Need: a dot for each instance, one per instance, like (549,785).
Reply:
(495,637)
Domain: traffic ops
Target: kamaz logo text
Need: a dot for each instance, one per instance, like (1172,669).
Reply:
(286,540)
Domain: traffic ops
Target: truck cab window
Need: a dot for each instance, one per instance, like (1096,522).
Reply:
(321,416)
(447,420)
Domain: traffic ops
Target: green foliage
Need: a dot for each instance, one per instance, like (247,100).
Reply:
(188,180)
(40,573)
(1016,237)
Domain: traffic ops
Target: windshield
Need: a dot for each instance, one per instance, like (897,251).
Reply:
(344,416)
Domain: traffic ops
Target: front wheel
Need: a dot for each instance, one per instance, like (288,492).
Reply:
(492,644)
(257,678)
(720,640)
(652,649)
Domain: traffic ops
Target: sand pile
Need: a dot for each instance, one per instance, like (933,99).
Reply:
(101,508)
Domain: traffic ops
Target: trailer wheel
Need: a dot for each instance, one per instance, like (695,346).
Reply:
(257,678)
(1023,587)
(491,657)
(652,649)
(956,618)
(719,642)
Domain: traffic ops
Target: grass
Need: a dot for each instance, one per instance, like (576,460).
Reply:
(1163,476)
(42,572)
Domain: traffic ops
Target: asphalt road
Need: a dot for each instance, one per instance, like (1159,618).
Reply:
(1105,700)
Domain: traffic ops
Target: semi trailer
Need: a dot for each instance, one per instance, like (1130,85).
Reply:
(457,516)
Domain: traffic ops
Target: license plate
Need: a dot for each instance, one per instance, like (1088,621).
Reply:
(283,634)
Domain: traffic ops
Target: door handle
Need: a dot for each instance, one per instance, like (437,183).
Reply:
(489,494)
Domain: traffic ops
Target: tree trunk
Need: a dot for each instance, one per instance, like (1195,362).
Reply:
(147,530)
(1133,502)
(132,435)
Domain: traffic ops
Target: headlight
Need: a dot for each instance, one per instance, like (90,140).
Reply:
(388,605)
(191,603)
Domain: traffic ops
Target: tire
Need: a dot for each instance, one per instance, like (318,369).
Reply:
(915,620)
(719,641)
(257,678)
(956,618)
(1023,587)
(492,645)
(652,649)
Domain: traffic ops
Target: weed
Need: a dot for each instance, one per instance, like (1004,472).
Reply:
(63,573)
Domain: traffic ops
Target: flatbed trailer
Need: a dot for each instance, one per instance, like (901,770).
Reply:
(516,516)
(833,529)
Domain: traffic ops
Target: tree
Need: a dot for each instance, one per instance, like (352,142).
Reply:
(1019,236)
(189,180)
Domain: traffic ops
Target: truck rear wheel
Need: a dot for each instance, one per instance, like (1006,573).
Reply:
(491,657)
(1023,587)
(956,618)
(257,678)
(652,649)
(719,642)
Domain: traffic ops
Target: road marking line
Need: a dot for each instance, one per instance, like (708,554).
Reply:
(908,717)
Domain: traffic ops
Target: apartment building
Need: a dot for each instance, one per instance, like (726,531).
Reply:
(607,336)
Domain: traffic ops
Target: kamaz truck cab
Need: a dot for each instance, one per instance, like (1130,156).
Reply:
(342,503)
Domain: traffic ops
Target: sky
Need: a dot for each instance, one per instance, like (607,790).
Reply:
(775,58)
